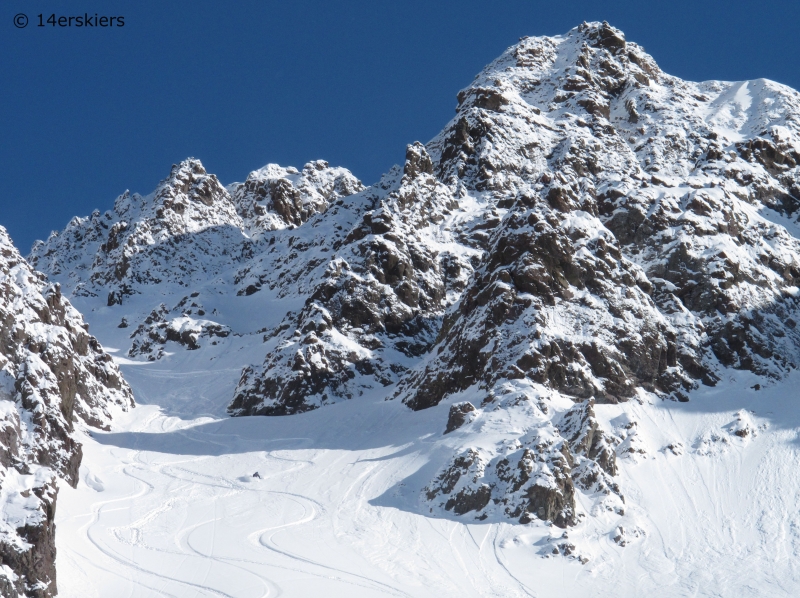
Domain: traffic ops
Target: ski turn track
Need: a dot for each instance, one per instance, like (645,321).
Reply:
(154,523)
(169,506)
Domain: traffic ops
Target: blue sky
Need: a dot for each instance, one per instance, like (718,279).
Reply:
(88,113)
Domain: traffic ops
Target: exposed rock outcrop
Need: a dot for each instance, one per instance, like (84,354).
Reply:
(185,325)
(53,376)
(274,198)
(459,414)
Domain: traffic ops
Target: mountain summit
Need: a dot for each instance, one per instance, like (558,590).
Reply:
(587,230)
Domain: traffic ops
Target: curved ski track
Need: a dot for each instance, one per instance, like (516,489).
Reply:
(201,525)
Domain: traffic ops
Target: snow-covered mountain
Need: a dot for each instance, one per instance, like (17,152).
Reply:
(588,231)
(54,376)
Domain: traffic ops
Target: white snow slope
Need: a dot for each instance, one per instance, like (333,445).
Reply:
(167,504)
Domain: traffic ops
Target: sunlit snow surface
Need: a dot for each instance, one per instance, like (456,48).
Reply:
(167,504)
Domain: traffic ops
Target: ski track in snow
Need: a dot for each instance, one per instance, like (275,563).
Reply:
(168,507)
(160,524)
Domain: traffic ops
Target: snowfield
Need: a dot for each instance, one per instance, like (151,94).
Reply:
(168,505)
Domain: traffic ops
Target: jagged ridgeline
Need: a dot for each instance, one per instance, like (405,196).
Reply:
(587,229)
(54,376)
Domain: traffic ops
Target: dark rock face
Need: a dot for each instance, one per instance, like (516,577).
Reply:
(469,467)
(273,198)
(579,426)
(382,294)
(552,501)
(417,161)
(534,271)
(458,416)
(53,375)
(36,565)
(537,475)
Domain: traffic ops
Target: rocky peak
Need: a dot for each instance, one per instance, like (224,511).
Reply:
(189,200)
(589,122)
(188,184)
(274,198)
(587,229)
(605,223)
(189,229)
(417,161)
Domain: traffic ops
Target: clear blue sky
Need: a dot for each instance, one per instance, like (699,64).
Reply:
(88,113)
